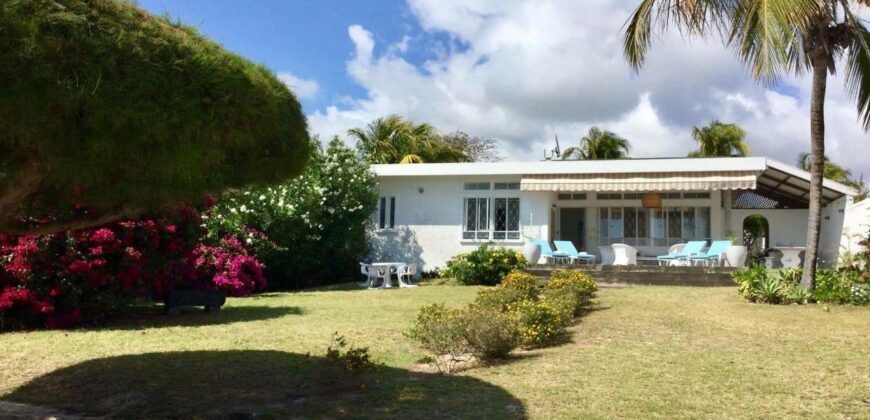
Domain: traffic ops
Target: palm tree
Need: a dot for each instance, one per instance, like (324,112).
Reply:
(598,144)
(773,38)
(394,140)
(837,173)
(720,139)
(832,171)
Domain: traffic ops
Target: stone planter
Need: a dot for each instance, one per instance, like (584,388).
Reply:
(735,255)
(211,300)
(532,252)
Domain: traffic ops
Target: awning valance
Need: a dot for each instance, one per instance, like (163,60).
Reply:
(661,181)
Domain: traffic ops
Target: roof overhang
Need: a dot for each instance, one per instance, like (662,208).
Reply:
(770,176)
(786,181)
(628,182)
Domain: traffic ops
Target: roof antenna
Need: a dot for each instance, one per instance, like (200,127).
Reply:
(555,153)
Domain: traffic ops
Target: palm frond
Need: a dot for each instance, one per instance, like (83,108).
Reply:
(764,35)
(695,17)
(858,71)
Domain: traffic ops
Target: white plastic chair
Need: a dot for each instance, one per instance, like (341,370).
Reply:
(624,254)
(673,250)
(407,271)
(607,255)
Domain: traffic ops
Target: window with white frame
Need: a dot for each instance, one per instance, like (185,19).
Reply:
(665,226)
(506,218)
(491,218)
(476,223)
(386,213)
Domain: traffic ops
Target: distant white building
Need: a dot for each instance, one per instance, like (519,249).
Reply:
(428,213)
(855,226)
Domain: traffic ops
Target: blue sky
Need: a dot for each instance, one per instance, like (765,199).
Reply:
(307,38)
(516,71)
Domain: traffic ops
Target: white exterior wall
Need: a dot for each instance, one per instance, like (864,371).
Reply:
(856,223)
(788,227)
(428,225)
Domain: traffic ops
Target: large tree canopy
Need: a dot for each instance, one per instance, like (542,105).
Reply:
(107,112)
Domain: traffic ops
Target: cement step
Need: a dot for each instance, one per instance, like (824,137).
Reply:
(645,274)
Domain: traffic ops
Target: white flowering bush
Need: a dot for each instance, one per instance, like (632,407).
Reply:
(309,230)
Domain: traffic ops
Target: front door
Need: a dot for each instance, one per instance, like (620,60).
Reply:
(572,226)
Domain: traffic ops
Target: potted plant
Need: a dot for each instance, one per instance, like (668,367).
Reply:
(531,250)
(735,255)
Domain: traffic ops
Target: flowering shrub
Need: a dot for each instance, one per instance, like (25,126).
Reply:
(502,318)
(442,331)
(522,282)
(490,333)
(61,279)
(309,230)
(576,286)
(498,298)
(537,322)
(229,266)
(486,265)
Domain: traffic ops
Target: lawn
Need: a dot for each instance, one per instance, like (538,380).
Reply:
(666,352)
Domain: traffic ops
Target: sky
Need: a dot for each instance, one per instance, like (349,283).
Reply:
(518,71)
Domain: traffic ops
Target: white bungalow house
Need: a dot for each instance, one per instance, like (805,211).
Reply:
(428,213)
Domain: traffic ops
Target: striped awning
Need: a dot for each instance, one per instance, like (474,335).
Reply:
(663,181)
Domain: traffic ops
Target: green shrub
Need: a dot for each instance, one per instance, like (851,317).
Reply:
(486,265)
(746,280)
(537,322)
(576,285)
(329,205)
(769,290)
(833,286)
(799,295)
(860,294)
(351,359)
(490,333)
(442,331)
(522,282)
(498,298)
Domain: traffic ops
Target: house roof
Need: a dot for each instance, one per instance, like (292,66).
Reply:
(556,167)
(774,177)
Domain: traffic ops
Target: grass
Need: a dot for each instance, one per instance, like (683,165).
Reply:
(667,352)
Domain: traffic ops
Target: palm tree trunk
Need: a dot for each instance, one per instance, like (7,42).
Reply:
(817,168)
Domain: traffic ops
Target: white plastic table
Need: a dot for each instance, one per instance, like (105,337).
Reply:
(388,278)
(791,255)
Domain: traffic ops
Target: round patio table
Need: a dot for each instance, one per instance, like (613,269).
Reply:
(390,268)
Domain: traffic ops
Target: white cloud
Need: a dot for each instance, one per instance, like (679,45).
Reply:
(303,88)
(521,71)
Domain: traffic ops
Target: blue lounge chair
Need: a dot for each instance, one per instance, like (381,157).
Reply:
(717,248)
(567,247)
(692,248)
(546,251)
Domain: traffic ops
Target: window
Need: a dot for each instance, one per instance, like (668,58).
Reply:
(661,227)
(507,185)
(387,213)
(474,186)
(506,218)
(576,196)
(696,195)
(496,218)
(608,196)
(476,225)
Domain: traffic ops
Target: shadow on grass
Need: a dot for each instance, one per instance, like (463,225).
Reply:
(155,317)
(244,384)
